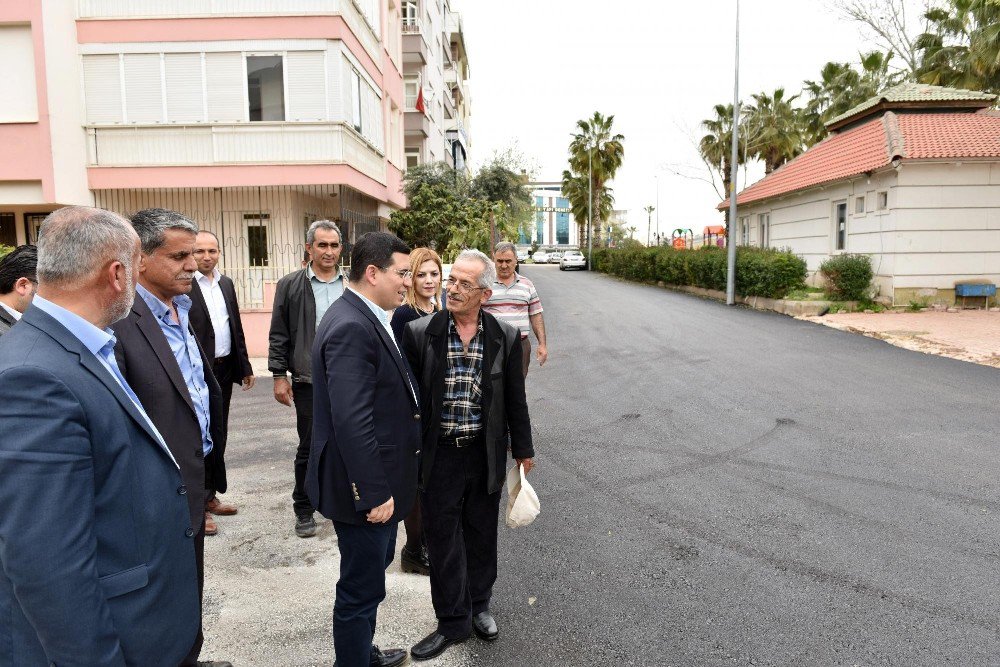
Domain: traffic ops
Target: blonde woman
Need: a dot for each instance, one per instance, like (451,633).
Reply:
(422,298)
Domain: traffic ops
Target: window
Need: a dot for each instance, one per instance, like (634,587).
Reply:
(412,157)
(882,199)
(356,100)
(20,98)
(8,235)
(764,229)
(840,225)
(256,226)
(859,204)
(411,22)
(32,223)
(411,86)
(745,230)
(266,88)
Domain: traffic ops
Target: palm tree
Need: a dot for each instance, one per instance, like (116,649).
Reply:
(841,87)
(962,47)
(775,129)
(716,147)
(595,155)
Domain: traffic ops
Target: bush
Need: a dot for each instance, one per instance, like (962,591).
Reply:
(759,271)
(5,250)
(848,277)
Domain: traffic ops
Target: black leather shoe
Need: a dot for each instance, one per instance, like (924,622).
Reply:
(391,657)
(305,525)
(415,560)
(485,626)
(432,646)
(214,663)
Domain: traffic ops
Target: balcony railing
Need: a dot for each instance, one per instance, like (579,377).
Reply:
(233,144)
(411,26)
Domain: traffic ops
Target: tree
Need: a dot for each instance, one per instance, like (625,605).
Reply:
(595,155)
(449,213)
(774,129)
(498,182)
(961,47)
(716,147)
(841,87)
(894,25)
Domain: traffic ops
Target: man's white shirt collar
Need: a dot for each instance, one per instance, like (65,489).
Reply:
(13,313)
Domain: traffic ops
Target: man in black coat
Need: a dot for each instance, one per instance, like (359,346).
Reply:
(468,366)
(362,469)
(215,318)
(161,360)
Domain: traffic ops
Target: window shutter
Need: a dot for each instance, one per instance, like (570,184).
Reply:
(102,89)
(335,83)
(184,89)
(348,94)
(306,85)
(225,84)
(143,88)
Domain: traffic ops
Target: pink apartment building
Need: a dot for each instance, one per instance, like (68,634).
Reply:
(252,117)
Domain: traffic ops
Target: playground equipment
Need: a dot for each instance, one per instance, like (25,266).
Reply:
(714,234)
(682,239)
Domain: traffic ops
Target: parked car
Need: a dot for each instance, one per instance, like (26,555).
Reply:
(554,257)
(572,259)
(522,255)
(540,257)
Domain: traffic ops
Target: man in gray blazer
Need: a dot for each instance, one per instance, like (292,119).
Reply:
(17,284)
(96,547)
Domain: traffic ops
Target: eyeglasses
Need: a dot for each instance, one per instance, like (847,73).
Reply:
(401,273)
(462,286)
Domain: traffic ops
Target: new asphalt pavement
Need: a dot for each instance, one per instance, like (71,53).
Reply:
(719,486)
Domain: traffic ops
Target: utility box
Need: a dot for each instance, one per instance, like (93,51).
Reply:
(975,290)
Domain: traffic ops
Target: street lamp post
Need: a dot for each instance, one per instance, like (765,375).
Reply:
(657,177)
(590,208)
(731,249)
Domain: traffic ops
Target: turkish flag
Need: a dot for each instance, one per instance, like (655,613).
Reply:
(420,102)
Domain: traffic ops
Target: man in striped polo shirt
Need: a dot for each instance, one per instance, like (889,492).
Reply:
(516,302)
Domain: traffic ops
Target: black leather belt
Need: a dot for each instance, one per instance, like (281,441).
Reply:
(460,441)
(221,360)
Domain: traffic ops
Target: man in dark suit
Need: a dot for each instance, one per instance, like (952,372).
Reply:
(96,557)
(17,284)
(215,318)
(160,357)
(469,368)
(362,470)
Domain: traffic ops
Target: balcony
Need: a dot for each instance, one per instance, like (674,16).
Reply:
(233,144)
(415,49)
(416,123)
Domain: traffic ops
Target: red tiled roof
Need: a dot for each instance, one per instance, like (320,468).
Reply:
(950,135)
(873,145)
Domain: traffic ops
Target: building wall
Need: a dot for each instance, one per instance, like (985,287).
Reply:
(936,224)
(553,224)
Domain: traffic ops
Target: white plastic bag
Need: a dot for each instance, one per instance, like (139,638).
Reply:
(522,502)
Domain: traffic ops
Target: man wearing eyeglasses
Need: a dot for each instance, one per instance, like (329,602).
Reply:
(515,301)
(468,365)
(18,281)
(300,301)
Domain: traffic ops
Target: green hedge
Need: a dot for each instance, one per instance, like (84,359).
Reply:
(848,277)
(4,250)
(759,271)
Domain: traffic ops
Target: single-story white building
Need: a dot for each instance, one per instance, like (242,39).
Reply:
(911,178)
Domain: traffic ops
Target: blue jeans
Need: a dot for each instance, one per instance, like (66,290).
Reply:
(365,553)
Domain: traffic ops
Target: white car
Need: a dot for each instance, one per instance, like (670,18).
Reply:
(540,257)
(522,255)
(554,257)
(572,259)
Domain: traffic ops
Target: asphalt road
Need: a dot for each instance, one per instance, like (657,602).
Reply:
(719,486)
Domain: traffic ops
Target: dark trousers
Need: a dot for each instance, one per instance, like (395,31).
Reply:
(302,395)
(224,370)
(365,552)
(526,351)
(460,527)
(199,559)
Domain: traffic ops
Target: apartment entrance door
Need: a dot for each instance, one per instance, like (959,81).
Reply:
(249,254)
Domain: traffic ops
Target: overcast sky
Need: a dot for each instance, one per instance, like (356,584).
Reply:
(538,66)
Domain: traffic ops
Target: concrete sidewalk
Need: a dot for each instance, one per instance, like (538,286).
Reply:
(269,594)
(969,335)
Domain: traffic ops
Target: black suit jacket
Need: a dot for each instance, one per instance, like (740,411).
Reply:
(149,367)
(504,406)
(201,322)
(366,424)
(6,321)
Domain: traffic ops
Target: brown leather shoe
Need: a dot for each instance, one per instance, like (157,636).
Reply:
(216,506)
(210,526)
